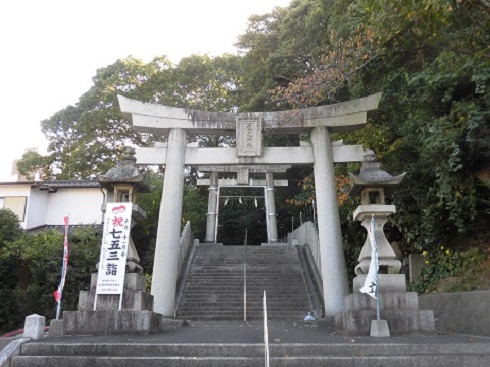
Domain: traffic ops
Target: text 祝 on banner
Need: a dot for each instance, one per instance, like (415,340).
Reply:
(114,250)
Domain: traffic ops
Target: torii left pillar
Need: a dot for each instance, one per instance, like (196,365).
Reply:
(166,267)
(212,208)
(271,207)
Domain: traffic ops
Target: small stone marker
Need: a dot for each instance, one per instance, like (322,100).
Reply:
(56,328)
(379,328)
(34,327)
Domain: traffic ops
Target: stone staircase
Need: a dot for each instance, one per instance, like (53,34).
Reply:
(431,354)
(214,287)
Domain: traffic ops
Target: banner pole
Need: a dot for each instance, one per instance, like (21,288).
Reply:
(58,307)
(378,305)
(64,268)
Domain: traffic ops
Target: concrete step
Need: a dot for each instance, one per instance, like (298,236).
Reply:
(214,287)
(238,302)
(302,310)
(244,355)
(405,361)
(251,350)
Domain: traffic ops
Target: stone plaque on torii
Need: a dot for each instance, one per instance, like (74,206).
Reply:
(318,122)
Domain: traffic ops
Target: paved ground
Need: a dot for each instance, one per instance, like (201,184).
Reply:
(233,332)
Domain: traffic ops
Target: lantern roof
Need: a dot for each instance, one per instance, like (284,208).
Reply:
(372,176)
(125,173)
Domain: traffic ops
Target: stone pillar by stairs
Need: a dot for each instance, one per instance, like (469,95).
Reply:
(136,314)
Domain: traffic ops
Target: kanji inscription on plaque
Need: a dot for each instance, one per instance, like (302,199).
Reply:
(249,137)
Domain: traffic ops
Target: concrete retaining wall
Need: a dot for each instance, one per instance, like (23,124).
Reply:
(464,312)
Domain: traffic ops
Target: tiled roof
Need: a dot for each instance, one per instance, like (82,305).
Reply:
(61,228)
(70,183)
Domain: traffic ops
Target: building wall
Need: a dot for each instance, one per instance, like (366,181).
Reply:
(18,190)
(37,206)
(82,204)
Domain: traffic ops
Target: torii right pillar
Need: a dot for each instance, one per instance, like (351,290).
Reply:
(334,273)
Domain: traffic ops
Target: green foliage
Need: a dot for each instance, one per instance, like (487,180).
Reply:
(240,212)
(31,268)
(194,210)
(278,46)
(431,60)
(87,138)
(32,162)
(444,263)
(10,229)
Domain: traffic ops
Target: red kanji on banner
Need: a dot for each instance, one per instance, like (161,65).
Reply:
(56,295)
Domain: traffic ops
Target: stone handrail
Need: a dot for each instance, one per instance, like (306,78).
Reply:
(307,234)
(187,249)
(186,240)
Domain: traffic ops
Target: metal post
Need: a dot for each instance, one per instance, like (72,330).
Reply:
(267,219)
(266,332)
(245,279)
(314,211)
(217,216)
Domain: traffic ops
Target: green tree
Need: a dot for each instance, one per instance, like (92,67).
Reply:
(34,269)
(10,229)
(278,46)
(431,59)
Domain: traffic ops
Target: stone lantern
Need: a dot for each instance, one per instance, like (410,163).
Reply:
(372,184)
(123,183)
(399,307)
(132,310)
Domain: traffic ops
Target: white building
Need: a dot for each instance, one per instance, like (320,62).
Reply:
(45,203)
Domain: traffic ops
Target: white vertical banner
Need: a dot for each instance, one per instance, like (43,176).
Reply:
(371,282)
(114,250)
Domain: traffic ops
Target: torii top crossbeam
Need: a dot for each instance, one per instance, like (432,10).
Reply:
(158,119)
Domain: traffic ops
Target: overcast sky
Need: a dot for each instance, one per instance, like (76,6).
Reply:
(51,49)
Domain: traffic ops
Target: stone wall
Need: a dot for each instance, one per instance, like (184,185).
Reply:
(463,313)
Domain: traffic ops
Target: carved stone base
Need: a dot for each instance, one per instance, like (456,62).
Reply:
(399,309)
(387,282)
(136,314)
(111,322)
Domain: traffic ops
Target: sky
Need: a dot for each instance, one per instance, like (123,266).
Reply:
(51,49)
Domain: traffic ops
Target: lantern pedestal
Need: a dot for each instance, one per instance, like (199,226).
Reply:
(136,314)
(399,308)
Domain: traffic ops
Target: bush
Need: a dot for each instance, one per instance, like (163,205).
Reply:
(443,263)
(10,229)
(32,267)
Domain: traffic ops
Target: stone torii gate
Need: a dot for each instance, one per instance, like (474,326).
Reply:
(318,122)
(242,180)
